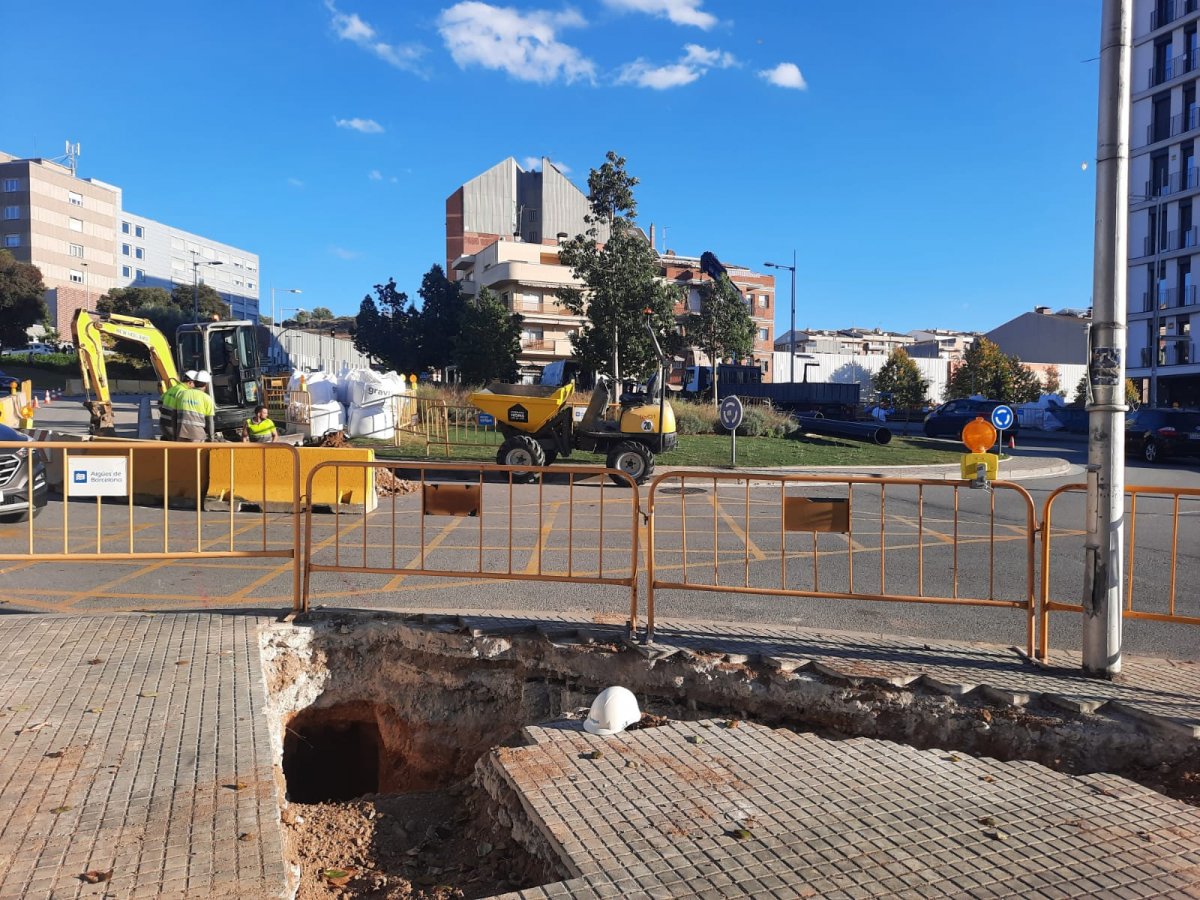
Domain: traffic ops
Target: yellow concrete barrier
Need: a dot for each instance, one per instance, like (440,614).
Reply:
(176,472)
(251,480)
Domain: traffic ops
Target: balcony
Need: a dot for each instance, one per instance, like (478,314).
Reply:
(1179,351)
(1174,240)
(538,345)
(1180,123)
(1167,13)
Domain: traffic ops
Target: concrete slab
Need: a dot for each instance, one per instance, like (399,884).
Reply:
(136,744)
(702,809)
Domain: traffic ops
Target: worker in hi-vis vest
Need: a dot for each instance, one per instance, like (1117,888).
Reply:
(168,406)
(259,429)
(195,411)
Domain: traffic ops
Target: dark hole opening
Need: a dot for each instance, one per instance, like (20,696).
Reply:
(331,754)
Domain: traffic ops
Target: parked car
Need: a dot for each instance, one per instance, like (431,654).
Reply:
(1158,434)
(949,418)
(14,479)
(37,349)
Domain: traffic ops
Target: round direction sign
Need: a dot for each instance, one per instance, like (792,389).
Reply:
(1003,418)
(731,413)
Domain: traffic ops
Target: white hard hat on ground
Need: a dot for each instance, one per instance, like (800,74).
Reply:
(202,377)
(613,710)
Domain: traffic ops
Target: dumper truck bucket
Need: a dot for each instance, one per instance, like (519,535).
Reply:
(524,407)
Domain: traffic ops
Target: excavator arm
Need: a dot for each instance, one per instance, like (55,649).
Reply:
(87,328)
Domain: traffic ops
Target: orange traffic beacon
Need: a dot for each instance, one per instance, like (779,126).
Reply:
(978,435)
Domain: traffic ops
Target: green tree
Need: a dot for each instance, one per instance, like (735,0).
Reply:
(486,347)
(320,314)
(990,373)
(723,327)
(1053,380)
(621,281)
(1133,395)
(22,299)
(441,318)
(901,378)
(126,301)
(386,328)
(211,303)
(302,318)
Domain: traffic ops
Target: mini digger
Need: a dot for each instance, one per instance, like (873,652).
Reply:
(539,425)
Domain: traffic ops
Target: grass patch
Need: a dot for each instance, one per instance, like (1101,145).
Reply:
(709,450)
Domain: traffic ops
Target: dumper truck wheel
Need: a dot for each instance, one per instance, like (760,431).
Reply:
(632,458)
(521,450)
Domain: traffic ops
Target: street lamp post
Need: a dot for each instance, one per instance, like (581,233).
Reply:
(285,290)
(792,333)
(87,291)
(196,264)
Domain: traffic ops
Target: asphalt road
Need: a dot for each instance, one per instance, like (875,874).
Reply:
(933,543)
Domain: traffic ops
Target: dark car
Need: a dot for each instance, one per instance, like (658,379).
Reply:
(949,418)
(6,384)
(14,479)
(1157,434)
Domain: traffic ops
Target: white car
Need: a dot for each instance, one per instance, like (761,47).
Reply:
(37,349)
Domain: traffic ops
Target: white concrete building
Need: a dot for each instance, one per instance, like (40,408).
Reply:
(1164,237)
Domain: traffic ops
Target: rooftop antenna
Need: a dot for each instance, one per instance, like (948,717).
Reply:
(72,154)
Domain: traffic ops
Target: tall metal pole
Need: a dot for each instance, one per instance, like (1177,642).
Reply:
(792,348)
(1156,290)
(195,290)
(1102,595)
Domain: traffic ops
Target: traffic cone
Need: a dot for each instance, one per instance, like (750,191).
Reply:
(1012,442)
(47,397)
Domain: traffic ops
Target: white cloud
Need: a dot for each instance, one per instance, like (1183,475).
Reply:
(681,12)
(343,253)
(351,27)
(295,182)
(523,44)
(375,175)
(365,126)
(696,61)
(785,75)
(533,163)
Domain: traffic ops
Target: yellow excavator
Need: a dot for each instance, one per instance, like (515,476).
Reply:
(226,350)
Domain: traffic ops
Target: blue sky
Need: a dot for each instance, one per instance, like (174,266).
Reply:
(923,158)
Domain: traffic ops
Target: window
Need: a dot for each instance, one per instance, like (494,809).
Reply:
(125,271)
(124,249)
(250,284)
(12,240)
(124,228)
(10,184)
(764,301)
(764,334)
(139,252)
(74,199)
(139,231)
(76,276)
(77,250)
(141,275)
(12,212)
(75,224)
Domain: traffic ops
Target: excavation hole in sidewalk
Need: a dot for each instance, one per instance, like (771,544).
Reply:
(333,753)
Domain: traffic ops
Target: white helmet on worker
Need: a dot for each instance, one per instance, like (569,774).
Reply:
(202,377)
(189,375)
(613,710)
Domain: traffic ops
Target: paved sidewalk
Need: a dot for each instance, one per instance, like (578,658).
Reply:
(135,744)
(700,809)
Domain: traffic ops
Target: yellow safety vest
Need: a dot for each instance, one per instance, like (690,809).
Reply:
(259,431)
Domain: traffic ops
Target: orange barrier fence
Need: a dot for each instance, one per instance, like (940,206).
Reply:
(1145,598)
(842,538)
(441,426)
(499,528)
(107,485)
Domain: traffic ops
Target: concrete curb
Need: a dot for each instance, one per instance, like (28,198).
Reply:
(1015,469)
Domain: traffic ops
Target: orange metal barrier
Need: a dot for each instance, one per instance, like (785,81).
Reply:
(440,425)
(832,537)
(1159,608)
(574,541)
(107,485)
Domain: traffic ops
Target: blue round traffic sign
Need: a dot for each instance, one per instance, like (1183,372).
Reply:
(1003,418)
(731,413)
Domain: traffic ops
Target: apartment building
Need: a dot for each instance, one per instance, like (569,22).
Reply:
(852,341)
(1164,238)
(503,228)
(76,231)
(939,343)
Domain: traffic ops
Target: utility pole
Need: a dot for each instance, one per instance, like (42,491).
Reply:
(1102,591)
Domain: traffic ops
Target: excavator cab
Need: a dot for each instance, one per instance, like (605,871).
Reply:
(228,351)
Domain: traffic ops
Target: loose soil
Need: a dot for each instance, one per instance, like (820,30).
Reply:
(427,845)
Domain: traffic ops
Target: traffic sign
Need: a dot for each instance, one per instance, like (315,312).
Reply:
(487,420)
(731,413)
(1003,418)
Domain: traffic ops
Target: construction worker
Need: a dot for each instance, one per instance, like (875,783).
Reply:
(168,406)
(195,411)
(259,429)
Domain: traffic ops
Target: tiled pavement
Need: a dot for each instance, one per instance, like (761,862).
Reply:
(135,743)
(699,809)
